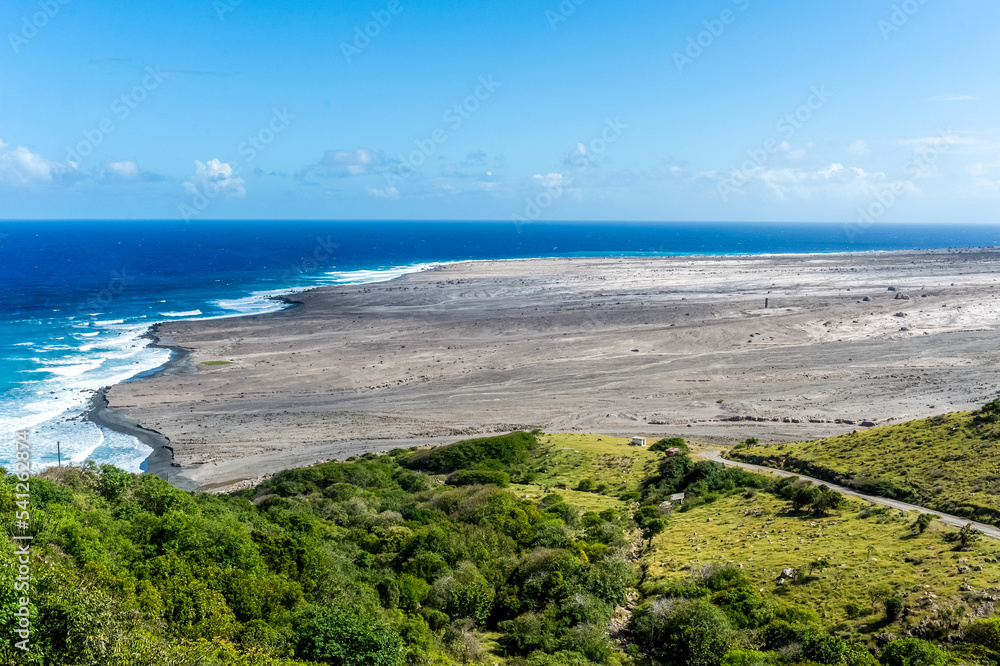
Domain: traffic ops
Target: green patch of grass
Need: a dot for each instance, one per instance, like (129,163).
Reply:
(567,460)
(216,362)
(949,462)
(760,533)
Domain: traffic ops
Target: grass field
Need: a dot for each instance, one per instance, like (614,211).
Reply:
(846,563)
(846,559)
(949,462)
(607,464)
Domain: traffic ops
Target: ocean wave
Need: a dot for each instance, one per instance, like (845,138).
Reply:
(376,275)
(109,322)
(259,302)
(189,313)
(51,408)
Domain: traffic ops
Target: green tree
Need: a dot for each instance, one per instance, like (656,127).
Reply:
(346,636)
(825,501)
(968,535)
(685,632)
(653,527)
(985,633)
(913,652)
(803,496)
(893,608)
(113,482)
(669,443)
(923,522)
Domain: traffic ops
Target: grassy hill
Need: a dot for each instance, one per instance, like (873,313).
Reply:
(837,574)
(527,549)
(949,462)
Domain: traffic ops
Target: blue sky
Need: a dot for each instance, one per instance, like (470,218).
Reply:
(854,110)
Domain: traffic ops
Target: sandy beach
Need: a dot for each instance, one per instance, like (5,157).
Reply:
(622,346)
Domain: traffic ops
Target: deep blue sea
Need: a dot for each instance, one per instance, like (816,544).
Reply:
(77,295)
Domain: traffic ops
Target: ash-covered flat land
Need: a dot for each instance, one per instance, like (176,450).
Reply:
(630,346)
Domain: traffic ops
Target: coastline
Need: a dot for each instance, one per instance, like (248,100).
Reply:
(99,412)
(161,461)
(472,348)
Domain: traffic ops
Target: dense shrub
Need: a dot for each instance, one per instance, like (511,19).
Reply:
(508,450)
(476,477)
(347,636)
(670,443)
(686,632)
(913,652)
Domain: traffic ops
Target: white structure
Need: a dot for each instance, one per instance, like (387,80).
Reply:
(638,441)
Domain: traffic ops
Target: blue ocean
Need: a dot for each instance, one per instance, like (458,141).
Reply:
(79,295)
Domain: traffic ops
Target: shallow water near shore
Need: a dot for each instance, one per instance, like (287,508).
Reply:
(81,296)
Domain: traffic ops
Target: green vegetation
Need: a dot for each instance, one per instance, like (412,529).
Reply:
(670,443)
(948,462)
(526,549)
(216,362)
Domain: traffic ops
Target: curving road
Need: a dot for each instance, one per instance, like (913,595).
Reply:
(955,521)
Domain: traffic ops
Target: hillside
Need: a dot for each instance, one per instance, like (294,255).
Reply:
(949,462)
(527,549)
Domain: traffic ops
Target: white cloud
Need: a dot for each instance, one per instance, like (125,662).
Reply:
(985,174)
(834,180)
(792,153)
(21,167)
(958,98)
(215,178)
(350,162)
(859,148)
(344,163)
(124,170)
(944,140)
(387,193)
(550,181)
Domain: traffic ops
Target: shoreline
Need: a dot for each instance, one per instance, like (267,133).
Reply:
(101,414)
(98,412)
(181,361)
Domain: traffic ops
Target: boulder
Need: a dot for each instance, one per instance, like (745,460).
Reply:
(892,289)
(787,573)
(901,297)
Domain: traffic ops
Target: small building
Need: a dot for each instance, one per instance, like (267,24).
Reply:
(638,441)
(677,497)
